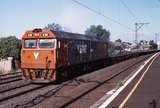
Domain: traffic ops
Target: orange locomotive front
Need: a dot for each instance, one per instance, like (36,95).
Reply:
(38,55)
(48,55)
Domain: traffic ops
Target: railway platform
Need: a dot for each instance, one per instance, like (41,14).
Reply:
(143,91)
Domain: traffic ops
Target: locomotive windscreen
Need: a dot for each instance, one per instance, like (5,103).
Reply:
(30,43)
(47,43)
(41,43)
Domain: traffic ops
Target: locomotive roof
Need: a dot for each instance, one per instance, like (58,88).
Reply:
(58,34)
(68,35)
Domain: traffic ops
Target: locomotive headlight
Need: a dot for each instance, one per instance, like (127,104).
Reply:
(30,35)
(44,34)
(36,34)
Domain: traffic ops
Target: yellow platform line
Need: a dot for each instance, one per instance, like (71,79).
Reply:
(135,87)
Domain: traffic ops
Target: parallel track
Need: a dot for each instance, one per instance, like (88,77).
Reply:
(100,83)
(71,100)
(10,77)
(7,95)
(15,87)
(10,80)
(10,94)
(12,73)
(41,97)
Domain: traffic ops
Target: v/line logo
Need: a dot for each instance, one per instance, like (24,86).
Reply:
(36,54)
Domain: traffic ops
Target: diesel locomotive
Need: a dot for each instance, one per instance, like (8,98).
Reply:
(46,55)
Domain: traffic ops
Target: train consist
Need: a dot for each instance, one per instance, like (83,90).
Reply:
(46,55)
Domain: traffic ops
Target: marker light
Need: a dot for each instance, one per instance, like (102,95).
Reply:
(44,34)
(30,35)
(36,34)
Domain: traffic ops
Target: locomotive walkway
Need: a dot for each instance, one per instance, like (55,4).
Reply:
(142,92)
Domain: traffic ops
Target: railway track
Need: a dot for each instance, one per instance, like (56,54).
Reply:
(12,73)
(10,77)
(29,88)
(23,89)
(10,80)
(41,97)
(9,88)
(90,85)
(98,84)
(11,93)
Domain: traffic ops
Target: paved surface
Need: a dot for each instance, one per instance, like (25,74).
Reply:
(146,94)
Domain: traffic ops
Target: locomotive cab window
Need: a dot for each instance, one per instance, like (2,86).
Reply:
(30,43)
(47,43)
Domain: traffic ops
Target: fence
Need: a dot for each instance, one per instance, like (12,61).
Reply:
(6,65)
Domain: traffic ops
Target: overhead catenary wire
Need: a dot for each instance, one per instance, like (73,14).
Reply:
(129,10)
(101,14)
(137,25)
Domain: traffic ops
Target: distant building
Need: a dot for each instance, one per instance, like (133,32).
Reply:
(145,46)
(121,47)
(158,43)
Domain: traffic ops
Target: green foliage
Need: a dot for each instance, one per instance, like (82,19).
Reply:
(118,48)
(9,47)
(98,31)
(54,26)
(111,48)
(153,45)
(119,40)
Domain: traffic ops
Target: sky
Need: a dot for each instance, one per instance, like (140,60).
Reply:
(17,16)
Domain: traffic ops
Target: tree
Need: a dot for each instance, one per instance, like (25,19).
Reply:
(54,26)
(142,42)
(118,48)
(98,31)
(111,48)
(119,40)
(153,45)
(9,47)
